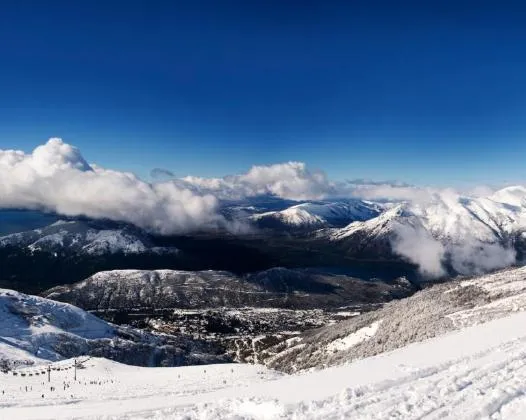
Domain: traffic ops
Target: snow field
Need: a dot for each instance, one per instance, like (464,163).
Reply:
(475,373)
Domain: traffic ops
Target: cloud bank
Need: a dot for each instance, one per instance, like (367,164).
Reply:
(55,177)
(290,180)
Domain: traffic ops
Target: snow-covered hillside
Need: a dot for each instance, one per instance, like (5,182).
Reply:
(82,237)
(34,329)
(478,372)
(318,214)
(433,311)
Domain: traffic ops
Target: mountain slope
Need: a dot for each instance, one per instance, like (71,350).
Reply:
(278,287)
(514,196)
(428,313)
(317,214)
(468,235)
(33,329)
(83,237)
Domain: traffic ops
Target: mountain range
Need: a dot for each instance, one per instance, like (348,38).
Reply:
(175,289)
(439,235)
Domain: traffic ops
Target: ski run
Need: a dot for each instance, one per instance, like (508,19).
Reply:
(477,372)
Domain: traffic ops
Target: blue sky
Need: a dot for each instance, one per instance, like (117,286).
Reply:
(422,92)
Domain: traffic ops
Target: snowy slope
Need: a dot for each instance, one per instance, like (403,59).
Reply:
(449,218)
(428,313)
(478,372)
(322,214)
(514,196)
(383,225)
(33,329)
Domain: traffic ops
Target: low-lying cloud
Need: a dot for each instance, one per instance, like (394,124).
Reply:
(419,247)
(451,235)
(475,257)
(433,258)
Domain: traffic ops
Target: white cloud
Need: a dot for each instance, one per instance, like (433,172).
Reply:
(475,257)
(290,180)
(391,192)
(419,247)
(452,231)
(55,177)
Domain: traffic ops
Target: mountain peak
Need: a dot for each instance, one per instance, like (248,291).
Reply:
(514,195)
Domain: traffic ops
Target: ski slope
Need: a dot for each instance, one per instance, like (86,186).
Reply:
(478,372)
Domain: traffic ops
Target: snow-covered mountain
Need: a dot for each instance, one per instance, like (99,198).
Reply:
(34,329)
(83,237)
(449,218)
(471,234)
(277,288)
(442,233)
(514,196)
(314,215)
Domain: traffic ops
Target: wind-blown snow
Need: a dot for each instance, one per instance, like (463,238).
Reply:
(478,372)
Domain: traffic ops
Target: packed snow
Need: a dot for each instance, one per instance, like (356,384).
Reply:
(477,372)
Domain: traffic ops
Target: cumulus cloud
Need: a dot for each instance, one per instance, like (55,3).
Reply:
(55,177)
(290,180)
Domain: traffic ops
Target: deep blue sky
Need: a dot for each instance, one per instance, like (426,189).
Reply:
(423,92)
